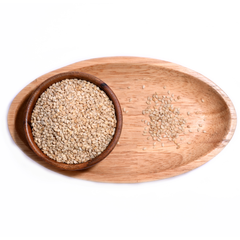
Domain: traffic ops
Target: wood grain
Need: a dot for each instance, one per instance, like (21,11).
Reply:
(128,162)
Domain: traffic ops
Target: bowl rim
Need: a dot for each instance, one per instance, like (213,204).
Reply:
(32,102)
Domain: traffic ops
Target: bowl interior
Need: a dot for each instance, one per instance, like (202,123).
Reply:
(36,94)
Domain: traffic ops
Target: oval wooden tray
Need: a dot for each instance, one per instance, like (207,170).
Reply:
(129,163)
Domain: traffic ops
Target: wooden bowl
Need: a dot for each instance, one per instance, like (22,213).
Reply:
(36,94)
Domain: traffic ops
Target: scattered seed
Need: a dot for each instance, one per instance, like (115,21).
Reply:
(165,120)
(202,100)
(124,109)
(162,144)
(143,86)
(204,119)
(198,129)
(118,143)
(128,87)
(148,138)
(204,131)
(164,87)
(144,148)
(200,125)
(154,143)
(130,100)
(189,143)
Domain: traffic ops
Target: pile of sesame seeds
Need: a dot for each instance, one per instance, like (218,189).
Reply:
(166,123)
(165,120)
(73,121)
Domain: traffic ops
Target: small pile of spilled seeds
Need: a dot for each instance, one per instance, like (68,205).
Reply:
(165,120)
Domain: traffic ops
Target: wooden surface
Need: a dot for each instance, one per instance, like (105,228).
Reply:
(31,104)
(128,162)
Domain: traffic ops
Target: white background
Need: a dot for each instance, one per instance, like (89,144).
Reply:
(39,36)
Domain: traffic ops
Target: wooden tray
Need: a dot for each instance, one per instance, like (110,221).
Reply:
(129,163)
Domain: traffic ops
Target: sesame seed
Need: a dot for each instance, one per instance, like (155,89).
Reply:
(164,87)
(128,87)
(130,100)
(168,92)
(188,113)
(204,131)
(143,86)
(189,143)
(202,100)
(73,133)
(200,125)
(165,120)
(162,144)
(144,148)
